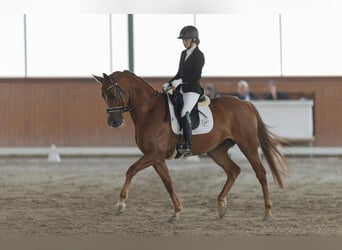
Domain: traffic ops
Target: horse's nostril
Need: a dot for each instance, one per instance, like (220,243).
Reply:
(114,122)
(111,123)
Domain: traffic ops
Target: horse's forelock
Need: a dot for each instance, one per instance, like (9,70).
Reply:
(106,83)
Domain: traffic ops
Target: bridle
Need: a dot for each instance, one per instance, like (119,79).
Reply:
(118,91)
(121,107)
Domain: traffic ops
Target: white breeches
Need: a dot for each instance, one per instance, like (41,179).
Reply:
(190,99)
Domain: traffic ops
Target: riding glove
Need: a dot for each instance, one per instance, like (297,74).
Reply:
(176,82)
(166,86)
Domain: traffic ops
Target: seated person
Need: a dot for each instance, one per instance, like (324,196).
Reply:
(243,92)
(210,90)
(273,93)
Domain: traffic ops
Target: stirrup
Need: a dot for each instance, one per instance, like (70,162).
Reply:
(184,149)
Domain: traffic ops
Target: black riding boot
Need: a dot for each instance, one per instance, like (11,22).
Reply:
(185,146)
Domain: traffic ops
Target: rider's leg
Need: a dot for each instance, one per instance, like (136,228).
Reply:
(185,146)
(190,99)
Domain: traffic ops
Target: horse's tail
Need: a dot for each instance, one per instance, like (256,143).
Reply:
(275,159)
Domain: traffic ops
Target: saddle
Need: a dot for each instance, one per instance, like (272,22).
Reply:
(177,102)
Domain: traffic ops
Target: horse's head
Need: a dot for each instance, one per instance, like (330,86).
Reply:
(115,99)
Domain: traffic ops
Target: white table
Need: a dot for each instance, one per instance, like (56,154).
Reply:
(290,119)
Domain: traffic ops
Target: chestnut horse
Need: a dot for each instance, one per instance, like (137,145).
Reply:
(235,122)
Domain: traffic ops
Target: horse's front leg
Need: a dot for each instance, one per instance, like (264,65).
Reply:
(144,162)
(163,172)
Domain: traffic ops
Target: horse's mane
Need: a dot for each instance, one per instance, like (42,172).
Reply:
(129,73)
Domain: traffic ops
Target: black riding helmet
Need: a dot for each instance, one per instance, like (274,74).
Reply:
(189,32)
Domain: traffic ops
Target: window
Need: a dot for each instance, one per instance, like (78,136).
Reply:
(119,42)
(12,59)
(67,45)
(232,44)
(312,44)
(156,47)
(240,45)
(79,45)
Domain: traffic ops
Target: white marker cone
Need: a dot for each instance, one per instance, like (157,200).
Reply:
(53,154)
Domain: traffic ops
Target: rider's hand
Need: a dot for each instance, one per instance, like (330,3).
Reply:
(166,86)
(176,82)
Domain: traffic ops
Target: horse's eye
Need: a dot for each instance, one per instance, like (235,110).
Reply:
(110,95)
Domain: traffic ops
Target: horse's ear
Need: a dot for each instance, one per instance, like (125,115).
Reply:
(105,76)
(108,78)
(99,79)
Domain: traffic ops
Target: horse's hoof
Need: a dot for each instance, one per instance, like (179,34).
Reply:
(222,211)
(120,208)
(173,220)
(268,218)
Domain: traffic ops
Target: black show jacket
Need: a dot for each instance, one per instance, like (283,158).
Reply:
(190,71)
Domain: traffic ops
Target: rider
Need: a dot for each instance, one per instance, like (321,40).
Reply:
(188,76)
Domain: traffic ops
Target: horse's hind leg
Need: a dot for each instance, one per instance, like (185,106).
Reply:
(220,156)
(251,153)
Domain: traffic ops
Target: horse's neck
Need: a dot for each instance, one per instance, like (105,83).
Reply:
(142,98)
(141,93)
(137,88)
(149,112)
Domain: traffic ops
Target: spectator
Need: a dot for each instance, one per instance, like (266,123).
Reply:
(243,92)
(273,93)
(210,90)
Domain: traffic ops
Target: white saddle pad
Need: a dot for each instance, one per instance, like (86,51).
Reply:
(206,122)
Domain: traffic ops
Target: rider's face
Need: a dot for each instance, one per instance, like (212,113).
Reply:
(187,43)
